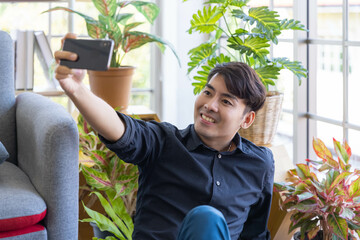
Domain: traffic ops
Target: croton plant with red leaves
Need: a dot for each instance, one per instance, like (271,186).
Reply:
(114,23)
(324,194)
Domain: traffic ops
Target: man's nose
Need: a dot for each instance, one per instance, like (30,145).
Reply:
(212,105)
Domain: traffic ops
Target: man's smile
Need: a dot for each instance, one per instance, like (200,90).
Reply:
(207,118)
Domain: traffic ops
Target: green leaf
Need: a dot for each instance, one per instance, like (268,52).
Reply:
(110,211)
(338,179)
(251,46)
(94,28)
(304,207)
(303,171)
(294,66)
(130,26)
(304,196)
(341,152)
(202,79)
(286,24)
(122,18)
(352,225)
(102,222)
(148,9)
(120,210)
(339,225)
(96,179)
(268,74)
(347,213)
(205,21)
(265,20)
(331,175)
(105,7)
(354,188)
(135,39)
(239,3)
(201,54)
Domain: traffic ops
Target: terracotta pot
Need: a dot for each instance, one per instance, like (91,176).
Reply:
(113,85)
(263,129)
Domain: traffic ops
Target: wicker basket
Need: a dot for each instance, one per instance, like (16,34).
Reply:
(263,129)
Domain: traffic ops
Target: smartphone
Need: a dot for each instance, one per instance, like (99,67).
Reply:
(93,54)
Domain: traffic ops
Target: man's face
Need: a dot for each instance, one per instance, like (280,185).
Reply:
(218,114)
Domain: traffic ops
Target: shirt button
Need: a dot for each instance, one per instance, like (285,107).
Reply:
(217,183)
(219,155)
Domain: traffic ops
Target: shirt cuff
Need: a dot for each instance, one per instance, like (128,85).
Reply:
(126,137)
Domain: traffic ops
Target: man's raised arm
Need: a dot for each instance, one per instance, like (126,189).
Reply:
(100,115)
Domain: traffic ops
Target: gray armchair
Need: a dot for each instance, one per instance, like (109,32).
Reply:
(39,182)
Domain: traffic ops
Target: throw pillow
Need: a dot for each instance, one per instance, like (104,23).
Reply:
(3,153)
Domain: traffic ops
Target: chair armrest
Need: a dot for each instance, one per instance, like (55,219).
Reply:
(47,146)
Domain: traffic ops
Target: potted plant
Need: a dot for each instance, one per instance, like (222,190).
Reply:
(115,24)
(248,32)
(324,196)
(110,180)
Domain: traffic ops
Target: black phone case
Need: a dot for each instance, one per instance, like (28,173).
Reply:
(92,54)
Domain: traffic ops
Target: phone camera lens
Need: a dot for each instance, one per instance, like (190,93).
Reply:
(103,44)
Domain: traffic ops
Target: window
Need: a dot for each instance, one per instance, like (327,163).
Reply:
(16,15)
(325,106)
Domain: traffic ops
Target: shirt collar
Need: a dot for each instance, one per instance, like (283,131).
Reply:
(194,141)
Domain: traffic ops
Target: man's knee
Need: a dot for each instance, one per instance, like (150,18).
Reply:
(205,212)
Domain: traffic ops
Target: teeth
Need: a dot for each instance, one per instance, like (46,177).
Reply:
(207,118)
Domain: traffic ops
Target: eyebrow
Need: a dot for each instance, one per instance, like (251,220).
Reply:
(228,95)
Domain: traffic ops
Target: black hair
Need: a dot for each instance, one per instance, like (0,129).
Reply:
(242,81)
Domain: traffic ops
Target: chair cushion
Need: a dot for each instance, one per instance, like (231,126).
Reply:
(3,153)
(20,204)
(36,231)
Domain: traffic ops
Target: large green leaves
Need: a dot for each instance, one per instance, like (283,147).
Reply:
(205,21)
(248,32)
(201,78)
(255,47)
(105,7)
(148,9)
(266,20)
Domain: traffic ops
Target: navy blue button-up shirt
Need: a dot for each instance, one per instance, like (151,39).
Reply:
(178,172)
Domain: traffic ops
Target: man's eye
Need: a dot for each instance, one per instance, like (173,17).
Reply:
(227,102)
(206,92)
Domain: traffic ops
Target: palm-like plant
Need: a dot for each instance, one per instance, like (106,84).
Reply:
(248,32)
(113,23)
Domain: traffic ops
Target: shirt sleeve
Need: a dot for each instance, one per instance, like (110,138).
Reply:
(141,141)
(255,227)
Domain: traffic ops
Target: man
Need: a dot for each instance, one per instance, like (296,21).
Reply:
(203,182)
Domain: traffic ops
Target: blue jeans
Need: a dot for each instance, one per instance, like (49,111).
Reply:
(204,223)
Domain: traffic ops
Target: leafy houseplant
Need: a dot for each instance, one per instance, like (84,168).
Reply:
(114,23)
(248,32)
(324,195)
(111,180)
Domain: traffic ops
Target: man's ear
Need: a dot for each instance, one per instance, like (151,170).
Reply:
(248,120)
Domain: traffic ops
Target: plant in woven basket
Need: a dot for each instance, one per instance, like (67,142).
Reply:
(110,180)
(324,195)
(248,32)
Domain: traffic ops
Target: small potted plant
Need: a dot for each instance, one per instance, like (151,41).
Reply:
(323,196)
(114,23)
(110,180)
(248,32)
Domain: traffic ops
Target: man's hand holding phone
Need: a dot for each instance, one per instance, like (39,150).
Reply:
(69,79)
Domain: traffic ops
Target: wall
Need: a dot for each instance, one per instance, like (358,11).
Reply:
(177,98)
